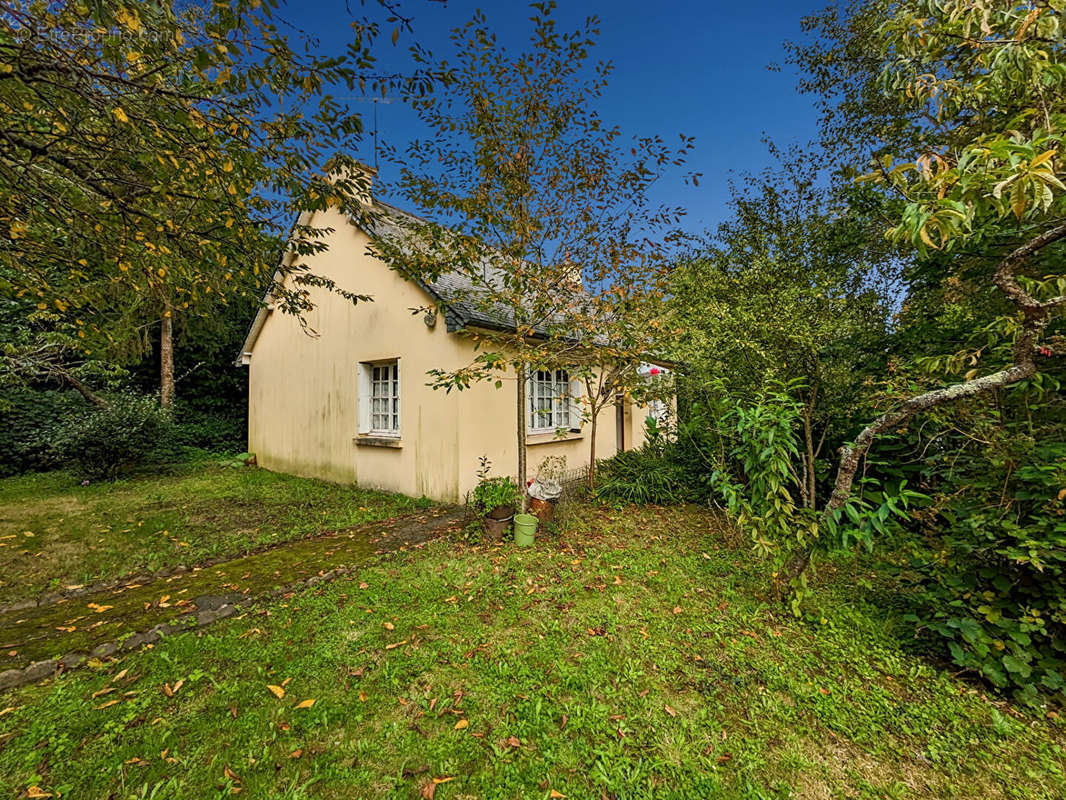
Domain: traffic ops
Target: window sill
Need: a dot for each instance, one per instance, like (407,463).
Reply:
(550,437)
(370,440)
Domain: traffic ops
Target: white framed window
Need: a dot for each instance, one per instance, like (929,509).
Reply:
(379,398)
(549,400)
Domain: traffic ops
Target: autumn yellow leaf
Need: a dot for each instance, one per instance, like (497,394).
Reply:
(120,115)
(276,690)
(461,724)
(388,626)
(306,703)
(555,794)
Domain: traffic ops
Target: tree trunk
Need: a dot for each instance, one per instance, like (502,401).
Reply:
(592,449)
(810,488)
(166,358)
(521,426)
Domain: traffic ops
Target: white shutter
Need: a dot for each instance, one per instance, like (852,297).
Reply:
(577,390)
(362,393)
(399,398)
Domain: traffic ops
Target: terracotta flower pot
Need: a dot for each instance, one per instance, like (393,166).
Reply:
(544,510)
(501,512)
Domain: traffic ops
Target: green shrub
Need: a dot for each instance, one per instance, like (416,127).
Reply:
(641,477)
(28,418)
(108,441)
(493,492)
(991,582)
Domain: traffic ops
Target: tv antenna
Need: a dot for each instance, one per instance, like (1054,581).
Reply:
(374,132)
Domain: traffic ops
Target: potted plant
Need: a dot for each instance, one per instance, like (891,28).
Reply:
(494,500)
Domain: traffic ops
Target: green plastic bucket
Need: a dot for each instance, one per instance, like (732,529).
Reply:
(525,525)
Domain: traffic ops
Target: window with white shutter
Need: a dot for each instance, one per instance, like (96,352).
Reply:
(549,400)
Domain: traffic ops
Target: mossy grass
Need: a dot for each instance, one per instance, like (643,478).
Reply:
(54,532)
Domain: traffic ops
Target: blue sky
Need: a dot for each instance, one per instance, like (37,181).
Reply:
(698,68)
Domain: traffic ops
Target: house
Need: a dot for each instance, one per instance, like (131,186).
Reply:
(350,402)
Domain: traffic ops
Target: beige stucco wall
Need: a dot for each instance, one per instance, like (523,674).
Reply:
(303,390)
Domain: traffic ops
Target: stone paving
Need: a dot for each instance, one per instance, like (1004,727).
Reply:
(101,622)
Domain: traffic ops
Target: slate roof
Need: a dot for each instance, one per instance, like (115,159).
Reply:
(453,290)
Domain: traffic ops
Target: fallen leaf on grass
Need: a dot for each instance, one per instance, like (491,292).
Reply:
(428,790)
(37,792)
(677,609)
(670,711)
(555,794)
(99,609)
(388,626)
(306,703)
(106,705)
(276,690)
(102,692)
(7,710)
(395,645)
(461,724)
(296,753)
(170,691)
(231,774)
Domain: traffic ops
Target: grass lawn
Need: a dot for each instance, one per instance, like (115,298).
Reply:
(630,658)
(55,532)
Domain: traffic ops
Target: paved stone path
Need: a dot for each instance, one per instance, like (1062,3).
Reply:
(81,623)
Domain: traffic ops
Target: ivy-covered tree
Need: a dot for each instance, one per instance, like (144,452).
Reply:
(993,77)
